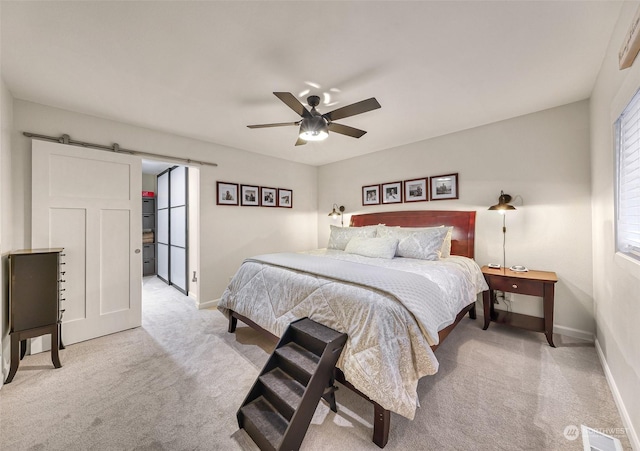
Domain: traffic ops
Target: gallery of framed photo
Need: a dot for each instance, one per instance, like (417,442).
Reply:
(249,195)
(371,195)
(227,193)
(416,190)
(444,187)
(268,197)
(285,198)
(392,193)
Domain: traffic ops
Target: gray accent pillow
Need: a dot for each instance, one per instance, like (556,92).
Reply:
(425,243)
(340,236)
(372,247)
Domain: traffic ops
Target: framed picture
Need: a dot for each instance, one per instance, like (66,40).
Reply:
(285,198)
(249,195)
(268,197)
(371,195)
(416,190)
(392,193)
(444,187)
(227,193)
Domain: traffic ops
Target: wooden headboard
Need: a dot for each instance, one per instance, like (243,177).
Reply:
(463,222)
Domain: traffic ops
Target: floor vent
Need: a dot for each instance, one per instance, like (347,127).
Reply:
(597,441)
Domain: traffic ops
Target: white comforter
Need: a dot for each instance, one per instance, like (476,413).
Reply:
(388,349)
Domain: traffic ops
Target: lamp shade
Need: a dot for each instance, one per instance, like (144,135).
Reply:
(503,203)
(314,129)
(335,213)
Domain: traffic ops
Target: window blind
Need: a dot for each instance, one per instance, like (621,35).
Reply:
(628,179)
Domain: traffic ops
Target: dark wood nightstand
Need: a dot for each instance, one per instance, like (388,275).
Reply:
(532,283)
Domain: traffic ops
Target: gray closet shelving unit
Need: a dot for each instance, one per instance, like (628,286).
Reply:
(148,227)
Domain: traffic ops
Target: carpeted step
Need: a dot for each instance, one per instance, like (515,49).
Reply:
(283,391)
(264,424)
(299,362)
(313,336)
(278,410)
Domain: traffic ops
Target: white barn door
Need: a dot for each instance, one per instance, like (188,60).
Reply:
(89,202)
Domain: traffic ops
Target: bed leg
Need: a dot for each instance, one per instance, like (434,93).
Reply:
(233,322)
(472,311)
(381,423)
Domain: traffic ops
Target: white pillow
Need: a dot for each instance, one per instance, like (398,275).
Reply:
(445,251)
(372,247)
(340,236)
(424,243)
(446,246)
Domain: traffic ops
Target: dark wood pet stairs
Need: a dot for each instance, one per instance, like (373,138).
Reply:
(279,407)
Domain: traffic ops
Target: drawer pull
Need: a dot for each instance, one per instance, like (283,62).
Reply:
(514,286)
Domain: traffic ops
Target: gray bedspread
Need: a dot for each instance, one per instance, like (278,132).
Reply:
(391,310)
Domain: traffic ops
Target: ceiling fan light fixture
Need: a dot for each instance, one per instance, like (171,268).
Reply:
(314,129)
(315,126)
(314,135)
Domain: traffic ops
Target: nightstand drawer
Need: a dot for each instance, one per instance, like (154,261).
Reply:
(516,285)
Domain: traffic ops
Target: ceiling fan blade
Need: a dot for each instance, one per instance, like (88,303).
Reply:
(300,142)
(346,130)
(292,102)
(353,109)
(279,124)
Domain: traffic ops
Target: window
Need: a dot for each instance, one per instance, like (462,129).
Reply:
(628,179)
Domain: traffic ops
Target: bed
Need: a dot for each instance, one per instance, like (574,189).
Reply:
(396,311)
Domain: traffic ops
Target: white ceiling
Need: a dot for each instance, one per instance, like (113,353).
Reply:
(207,69)
(154,167)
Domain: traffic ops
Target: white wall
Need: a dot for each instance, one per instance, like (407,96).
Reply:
(6,123)
(541,157)
(227,234)
(148,182)
(616,280)
(194,237)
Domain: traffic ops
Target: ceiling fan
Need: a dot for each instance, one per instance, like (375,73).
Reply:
(315,126)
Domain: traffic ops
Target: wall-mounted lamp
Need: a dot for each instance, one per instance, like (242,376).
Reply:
(339,212)
(503,203)
(502,206)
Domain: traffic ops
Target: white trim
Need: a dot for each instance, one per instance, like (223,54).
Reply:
(574,333)
(5,366)
(626,420)
(631,265)
(208,304)
(562,330)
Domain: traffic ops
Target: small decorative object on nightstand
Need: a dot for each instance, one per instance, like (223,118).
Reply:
(532,283)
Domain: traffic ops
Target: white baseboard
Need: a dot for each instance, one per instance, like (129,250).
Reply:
(208,304)
(4,370)
(626,420)
(575,333)
(562,330)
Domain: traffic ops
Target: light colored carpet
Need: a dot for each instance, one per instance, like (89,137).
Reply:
(176,383)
